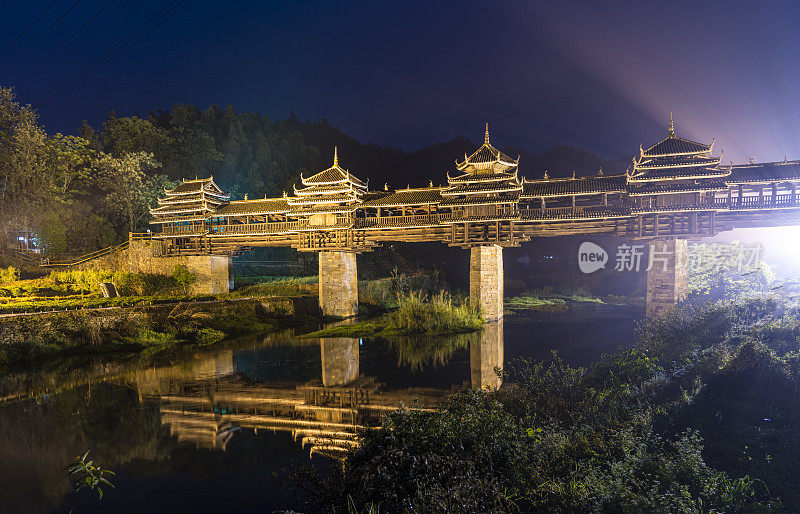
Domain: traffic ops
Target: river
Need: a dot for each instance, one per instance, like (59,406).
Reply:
(215,428)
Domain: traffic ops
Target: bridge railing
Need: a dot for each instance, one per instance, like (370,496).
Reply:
(182,230)
(548,213)
(757,202)
(397,221)
(259,228)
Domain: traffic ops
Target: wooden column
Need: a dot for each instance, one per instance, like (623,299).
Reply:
(774,198)
(741,195)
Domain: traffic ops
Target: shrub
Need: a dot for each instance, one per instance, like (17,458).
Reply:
(9,274)
(183,277)
(439,315)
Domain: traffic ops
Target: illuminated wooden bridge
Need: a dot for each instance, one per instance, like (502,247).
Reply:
(674,190)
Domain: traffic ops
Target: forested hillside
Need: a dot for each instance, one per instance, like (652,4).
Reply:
(71,194)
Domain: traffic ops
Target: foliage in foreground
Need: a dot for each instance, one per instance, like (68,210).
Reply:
(623,435)
(415,315)
(85,474)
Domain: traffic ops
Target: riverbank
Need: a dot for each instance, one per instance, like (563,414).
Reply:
(700,415)
(147,328)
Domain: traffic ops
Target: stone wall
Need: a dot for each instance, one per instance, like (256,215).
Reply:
(667,278)
(338,284)
(486,280)
(214,272)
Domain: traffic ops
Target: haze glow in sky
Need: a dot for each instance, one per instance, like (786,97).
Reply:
(599,75)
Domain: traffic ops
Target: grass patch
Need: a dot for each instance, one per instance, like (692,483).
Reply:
(415,314)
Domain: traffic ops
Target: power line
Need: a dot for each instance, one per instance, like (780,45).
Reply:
(89,34)
(132,37)
(29,27)
(62,43)
(39,38)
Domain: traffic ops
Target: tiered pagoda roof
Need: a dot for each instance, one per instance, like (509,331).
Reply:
(488,176)
(190,200)
(332,190)
(674,158)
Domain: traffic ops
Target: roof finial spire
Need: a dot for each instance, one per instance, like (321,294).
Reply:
(486,135)
(335,156)
(671,129)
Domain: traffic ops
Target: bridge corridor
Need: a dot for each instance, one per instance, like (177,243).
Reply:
(673,191)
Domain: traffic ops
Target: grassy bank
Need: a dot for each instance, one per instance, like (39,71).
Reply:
(702,416)
(24,339)
(414,315)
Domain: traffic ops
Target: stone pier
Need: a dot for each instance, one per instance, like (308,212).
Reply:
(667,277)
(338,284)
(486,354)
(339,360)
(486,280)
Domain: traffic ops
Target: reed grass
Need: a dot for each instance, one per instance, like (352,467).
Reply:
(416,314)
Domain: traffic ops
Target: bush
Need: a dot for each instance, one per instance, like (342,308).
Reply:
(183,277)
(8,275)
(439,315)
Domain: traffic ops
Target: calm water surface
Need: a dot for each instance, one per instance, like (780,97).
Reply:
(214,429)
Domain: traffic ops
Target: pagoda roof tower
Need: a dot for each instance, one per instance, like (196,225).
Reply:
(486,159)
(676,158)
(488,176)
(189,200)
(331,190)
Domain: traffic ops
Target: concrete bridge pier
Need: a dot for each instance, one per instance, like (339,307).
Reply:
(667,276)
(486,354)
(338,284)
(486,280)
(339,360)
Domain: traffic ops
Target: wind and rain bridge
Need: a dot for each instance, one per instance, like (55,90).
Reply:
(673,191)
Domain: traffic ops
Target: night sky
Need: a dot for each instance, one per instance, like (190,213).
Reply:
(599,75)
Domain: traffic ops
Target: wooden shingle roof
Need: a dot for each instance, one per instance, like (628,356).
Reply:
(673,145)
(573,186)
(407,197)
(764,172)
(264,206)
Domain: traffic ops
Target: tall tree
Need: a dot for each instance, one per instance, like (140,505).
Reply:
(23,181)
(69,160)
(128,190)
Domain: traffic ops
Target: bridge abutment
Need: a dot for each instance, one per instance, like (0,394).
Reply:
(338,284)
(214,272)
(667,275)
(486,280)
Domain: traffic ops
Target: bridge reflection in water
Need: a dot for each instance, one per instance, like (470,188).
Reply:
(206,402)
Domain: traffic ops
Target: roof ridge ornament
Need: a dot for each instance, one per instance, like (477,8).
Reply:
(335,156)
(671,128)
(486,134)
